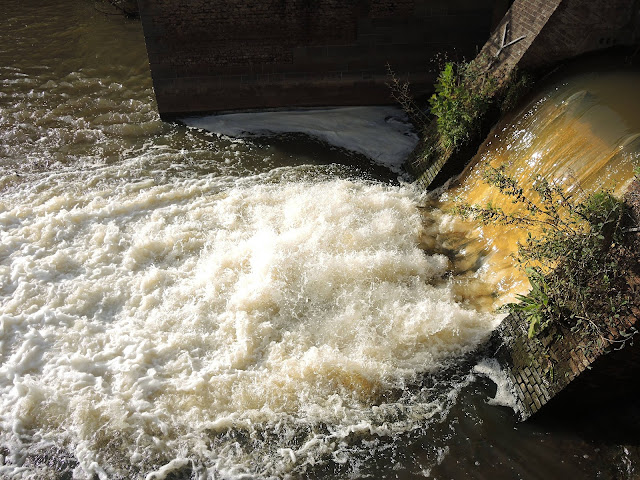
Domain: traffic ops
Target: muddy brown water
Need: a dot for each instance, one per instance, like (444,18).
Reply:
(180,304)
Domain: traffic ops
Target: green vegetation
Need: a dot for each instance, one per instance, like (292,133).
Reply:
(577,264)
(463,95)
(521,84)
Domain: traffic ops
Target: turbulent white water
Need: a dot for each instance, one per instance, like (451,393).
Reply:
(176,304)
(155,321)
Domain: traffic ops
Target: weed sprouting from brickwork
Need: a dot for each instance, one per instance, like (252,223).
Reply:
(401,94)
(577,259)
(464,94)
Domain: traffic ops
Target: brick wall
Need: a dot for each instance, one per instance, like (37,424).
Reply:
(525,19)
(233,54)
(580,26)
(536,35)
(557,30)
(568,366)
(541,368)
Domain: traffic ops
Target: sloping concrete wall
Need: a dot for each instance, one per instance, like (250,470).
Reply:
(236,54)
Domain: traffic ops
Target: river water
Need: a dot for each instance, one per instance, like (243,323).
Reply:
(178,303)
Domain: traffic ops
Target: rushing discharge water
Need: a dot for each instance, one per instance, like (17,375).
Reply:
(159,317)
(176,303)
(582,134)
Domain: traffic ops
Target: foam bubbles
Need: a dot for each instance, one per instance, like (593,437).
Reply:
(381,133)
(490,368)
(151,322)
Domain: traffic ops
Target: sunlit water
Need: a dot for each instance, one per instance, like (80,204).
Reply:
(161,315)
(176,303)
(582,134)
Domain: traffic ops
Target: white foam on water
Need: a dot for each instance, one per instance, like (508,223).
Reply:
(381,133)
(251,326)
(490,368)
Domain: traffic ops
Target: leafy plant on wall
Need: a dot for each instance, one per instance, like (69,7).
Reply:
(577,260)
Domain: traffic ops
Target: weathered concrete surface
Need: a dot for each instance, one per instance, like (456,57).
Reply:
(535,35)
(236,55)
(570,367)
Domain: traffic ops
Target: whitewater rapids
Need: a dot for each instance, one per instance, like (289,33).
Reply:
(144,324)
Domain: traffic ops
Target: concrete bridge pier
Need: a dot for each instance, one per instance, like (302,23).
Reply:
(231,55)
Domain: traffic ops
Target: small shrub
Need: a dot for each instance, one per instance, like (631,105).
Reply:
(575,265)
(463,95)
(521,84)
